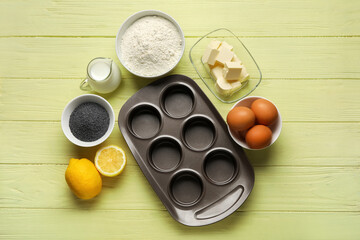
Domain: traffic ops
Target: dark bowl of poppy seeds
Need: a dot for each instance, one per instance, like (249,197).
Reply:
(88,120)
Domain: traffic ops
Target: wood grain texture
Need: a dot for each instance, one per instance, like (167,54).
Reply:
(298,100)
(142,224)
(300,144)
(276,189)
(59,58)
(307,184)
(247,18)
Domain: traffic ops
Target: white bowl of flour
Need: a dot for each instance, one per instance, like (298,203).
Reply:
(150,43)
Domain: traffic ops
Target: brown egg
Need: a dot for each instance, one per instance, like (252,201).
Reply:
(240,118)
(265,112)
(258,137)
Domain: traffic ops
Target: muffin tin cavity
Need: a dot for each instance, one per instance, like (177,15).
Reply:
(165,154)
(177,101)
(186,188)
(199,133)
(183,147)
(144,121)
(220,166)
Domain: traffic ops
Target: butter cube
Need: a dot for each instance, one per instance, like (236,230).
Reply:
(236,59)
(235,86)
(225,67)
(226,45)
(206,55)
(214,44)
(232,71)
(244,75)
(216,72)
(225,55)
(221,85)
(209,56)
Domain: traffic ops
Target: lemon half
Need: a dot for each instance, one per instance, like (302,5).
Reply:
(110,161)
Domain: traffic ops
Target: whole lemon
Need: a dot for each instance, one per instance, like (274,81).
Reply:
(83,178)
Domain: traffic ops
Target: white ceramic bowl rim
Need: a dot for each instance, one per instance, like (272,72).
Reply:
(134,17)
(275,126)
(69,108)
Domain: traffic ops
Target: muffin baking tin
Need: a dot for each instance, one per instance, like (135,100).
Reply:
(183,147)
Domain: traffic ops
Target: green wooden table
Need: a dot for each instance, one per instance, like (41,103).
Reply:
(307,184)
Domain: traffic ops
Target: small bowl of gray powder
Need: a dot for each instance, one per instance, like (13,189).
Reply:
(88,120)
(150,43)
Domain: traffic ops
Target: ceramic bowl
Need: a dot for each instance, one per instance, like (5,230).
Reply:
(70,108)
(275,127)
(130,20)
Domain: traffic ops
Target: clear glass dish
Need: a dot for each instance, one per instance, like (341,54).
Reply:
(223,34)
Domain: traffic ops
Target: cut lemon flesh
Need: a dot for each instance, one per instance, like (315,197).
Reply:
(110,161)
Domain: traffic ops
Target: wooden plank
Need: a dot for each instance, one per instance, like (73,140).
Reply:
(276,188)
(300,144)
(285,58)
(247,18)
(139,224)
(298,100)
(307,184)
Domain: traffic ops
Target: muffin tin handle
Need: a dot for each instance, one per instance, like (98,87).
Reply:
(221,206)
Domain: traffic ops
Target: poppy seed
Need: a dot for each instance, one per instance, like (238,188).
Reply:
(89,121)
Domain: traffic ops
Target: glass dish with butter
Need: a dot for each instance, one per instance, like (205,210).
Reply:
(225,65)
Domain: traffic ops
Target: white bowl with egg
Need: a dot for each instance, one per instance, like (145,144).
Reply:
(127,24)
(274,127)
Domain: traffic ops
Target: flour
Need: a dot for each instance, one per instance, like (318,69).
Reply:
(151,46)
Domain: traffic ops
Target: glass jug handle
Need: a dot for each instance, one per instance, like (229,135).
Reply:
(84,85)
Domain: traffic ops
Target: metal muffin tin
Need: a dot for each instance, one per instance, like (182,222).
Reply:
(183,147)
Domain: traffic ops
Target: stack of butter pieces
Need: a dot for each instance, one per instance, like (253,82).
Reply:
(225,67)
